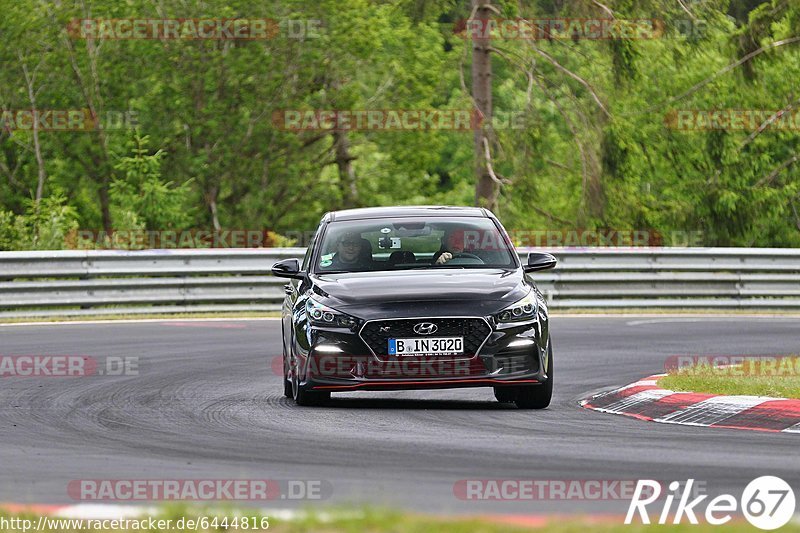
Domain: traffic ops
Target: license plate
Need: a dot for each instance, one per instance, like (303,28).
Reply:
(427,346)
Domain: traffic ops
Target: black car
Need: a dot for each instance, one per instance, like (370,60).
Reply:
(415,298)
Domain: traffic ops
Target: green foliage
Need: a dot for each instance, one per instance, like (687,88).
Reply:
(46,225)
(208,152)
(142,200)
(755,377)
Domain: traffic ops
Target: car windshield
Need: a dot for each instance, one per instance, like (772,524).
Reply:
(413,243)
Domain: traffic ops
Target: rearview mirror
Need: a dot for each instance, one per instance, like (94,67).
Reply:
(288,268)
(539,261)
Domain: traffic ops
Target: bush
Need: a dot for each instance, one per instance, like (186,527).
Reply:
(45,225)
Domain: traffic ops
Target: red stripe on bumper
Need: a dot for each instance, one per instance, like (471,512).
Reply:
(428,382)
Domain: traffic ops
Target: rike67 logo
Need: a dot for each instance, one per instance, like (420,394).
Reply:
(767,502)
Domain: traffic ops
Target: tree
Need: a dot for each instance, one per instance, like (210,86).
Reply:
(487,186)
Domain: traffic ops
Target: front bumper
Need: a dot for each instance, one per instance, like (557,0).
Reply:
(340,360)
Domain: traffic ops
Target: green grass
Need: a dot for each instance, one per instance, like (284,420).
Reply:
(749,379)
(389,521)
(395,522)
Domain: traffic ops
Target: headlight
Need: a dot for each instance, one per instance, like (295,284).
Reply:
(322,315)
(521,311)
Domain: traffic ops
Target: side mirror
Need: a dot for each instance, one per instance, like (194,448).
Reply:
(288,268)
(539,261)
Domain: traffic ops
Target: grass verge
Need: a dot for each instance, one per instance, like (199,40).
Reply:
(777,377)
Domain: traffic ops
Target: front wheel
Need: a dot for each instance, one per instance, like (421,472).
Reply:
(538,396)
(287,382)
(307,398)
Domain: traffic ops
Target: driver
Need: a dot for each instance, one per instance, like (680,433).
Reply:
(452,245)
(352,253)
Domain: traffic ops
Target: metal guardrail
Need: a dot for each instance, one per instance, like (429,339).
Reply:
(61,283)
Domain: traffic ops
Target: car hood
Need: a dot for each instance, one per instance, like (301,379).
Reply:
(487,290)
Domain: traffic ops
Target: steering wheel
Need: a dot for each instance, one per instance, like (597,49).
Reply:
(465,258)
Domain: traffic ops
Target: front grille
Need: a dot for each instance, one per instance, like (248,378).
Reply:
(376,334)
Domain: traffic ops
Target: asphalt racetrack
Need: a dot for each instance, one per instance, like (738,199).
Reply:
(206,404)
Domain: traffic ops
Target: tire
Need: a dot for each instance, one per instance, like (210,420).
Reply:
(287,383)
(307,398)
(505,394)
(537,396)
(310,399)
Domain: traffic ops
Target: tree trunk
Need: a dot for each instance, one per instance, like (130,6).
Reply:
(486,188)
(30,80)
(211,200)
(92,96)
(105,205)
(347,174)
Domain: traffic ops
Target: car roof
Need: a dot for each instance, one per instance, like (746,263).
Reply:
(406,211)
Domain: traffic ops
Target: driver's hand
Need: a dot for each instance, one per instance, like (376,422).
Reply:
(445,257)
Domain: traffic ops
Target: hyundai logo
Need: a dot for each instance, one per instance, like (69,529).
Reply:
(425,328)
